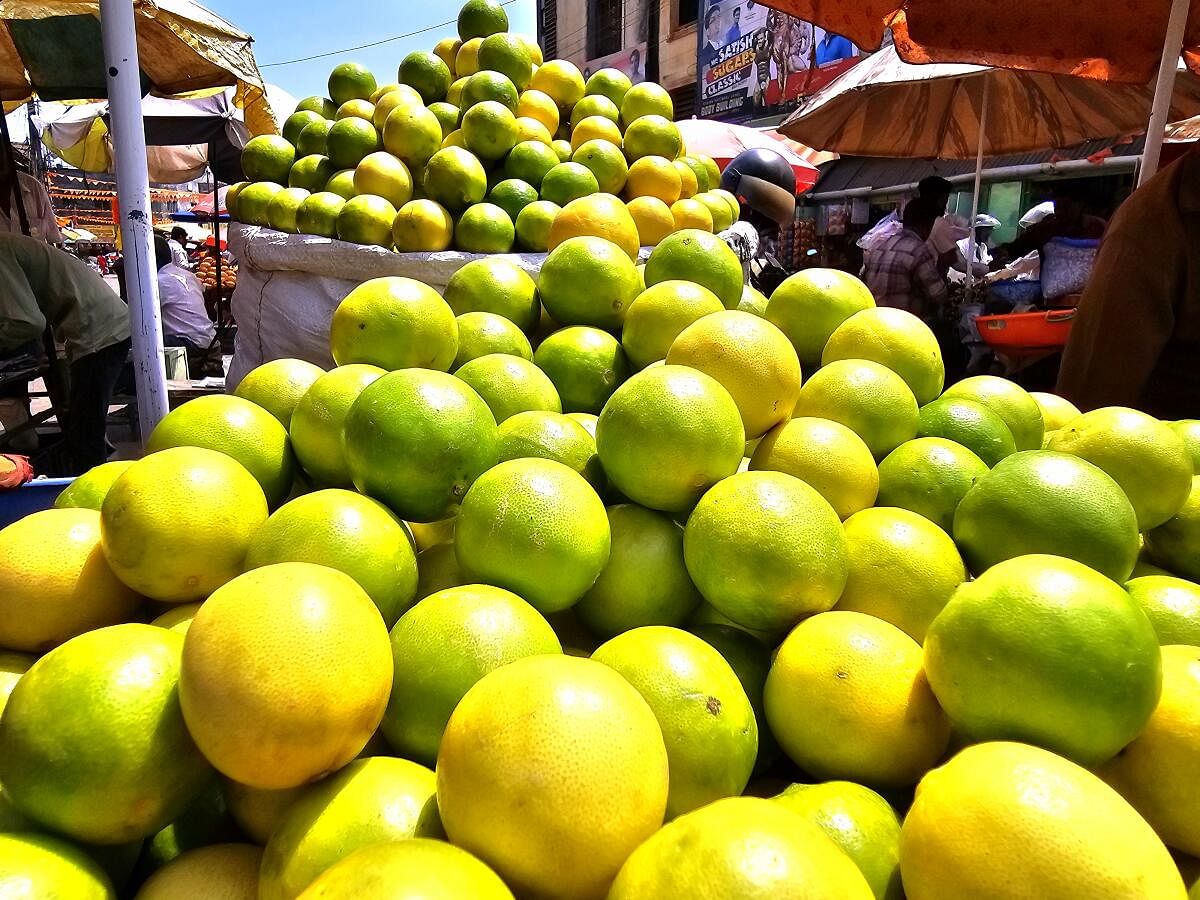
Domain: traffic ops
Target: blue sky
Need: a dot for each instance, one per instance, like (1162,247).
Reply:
(289,29)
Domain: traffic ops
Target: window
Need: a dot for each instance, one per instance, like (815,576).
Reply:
(606,27)
(684,99)
(686,12)
(549,28)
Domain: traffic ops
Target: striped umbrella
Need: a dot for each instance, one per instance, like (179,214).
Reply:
(723,141)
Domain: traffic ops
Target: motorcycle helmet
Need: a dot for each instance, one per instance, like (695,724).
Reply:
(764,184)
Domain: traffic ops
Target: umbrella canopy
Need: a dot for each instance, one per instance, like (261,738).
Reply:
(723,141)
(1118,40)
(887,107)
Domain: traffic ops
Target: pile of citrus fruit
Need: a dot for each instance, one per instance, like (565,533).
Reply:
(612,583)
(482,146)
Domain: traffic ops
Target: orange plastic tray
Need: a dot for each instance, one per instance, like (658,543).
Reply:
(1041,330)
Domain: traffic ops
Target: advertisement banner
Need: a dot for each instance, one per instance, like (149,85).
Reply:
(631,61)
(755,62)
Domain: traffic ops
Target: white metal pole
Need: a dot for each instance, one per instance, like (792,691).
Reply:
(1163,89)
(119,37)
(983,116)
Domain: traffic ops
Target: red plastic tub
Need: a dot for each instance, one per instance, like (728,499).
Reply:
(1027,332)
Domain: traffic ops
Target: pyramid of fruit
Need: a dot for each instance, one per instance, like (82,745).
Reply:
(481,146)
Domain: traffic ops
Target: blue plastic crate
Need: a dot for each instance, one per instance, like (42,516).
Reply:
(30,497)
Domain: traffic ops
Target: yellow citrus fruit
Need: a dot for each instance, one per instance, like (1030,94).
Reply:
(1141,453)
(691,213)
(653,218)
(1175,544)
(753,301)
(546,733)
(605,161)
(601,216)
(93,744)
(717,208)
(653,176)
(454,138)
(561,81)
(646,99)
(1189,430)
(481,333)
(264,653)
(688,186)
(535,527)
(707,722)
(497,286)
(383,175)
(1074,646)
(531,129)
(658,315)
(896,339)
(903,568)
(826,455)
(455,178)
(1149,773)
(539,105)
(466,61)
(589,280)
(1056,411)
(533,225)
(592,128)
(178,618)
(568,181)
(750,358)
(357,108)
(55,582)
(765,549)
(703,181)
(847,698)
(653,135)
(869,399)
(484,228)
(1011,402)
(696,256)
(371,801)
(447,50)
(861,822)
(319,420)
(400,95)
(242,430)
(176,525)
(1172,605)
(417,867)
(394,323)
(348,532)
(1040,501)
(509,385)
(37,865)
(668,434)
(971,424)
(430,534)
(218,870)
(609,82)
(258,811)
(810,305)
(422,226)
(585,366)
(722,851)
(281,214)
(88,490)
(443,646)
(278,385)
(1010,820)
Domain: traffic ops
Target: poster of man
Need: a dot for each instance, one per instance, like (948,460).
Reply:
(754,61)
(631,61)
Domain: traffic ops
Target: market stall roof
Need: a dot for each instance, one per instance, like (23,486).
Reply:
(723,141)
(1116,40)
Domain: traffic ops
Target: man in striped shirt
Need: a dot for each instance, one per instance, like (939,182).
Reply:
(902,271)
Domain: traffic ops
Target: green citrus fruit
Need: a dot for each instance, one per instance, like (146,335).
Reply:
(39,865)
(646,99)
(1172,605)
(254,202)
(480,18)
(313,140)
(606,161)
(653,135)
(585,365)
(481,333)
(1056,412)
(319,421)
(489,128)
(869,399)
(538,434)
(810,305)
(970,423)
(342,184)
(278,385)
(826,455)
(1075,647)
(588,281)
(512,195)
(659,314)
(350,81)
(529,161)
(568,181)
(268,157)
(1011,402)
(366,219)
(533,225)
(1175,545)
(394,323)
(350,140)
(892,338)
(281,213)
(929,476)
(426,72)
(454,178)
(1189,430)
(412,133)
(704,259)
(484,228)
(89,489)
(496,286)
(509,385)
(507,54)
(318,214)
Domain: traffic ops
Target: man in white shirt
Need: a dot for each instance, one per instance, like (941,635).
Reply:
(185,321)
(178,254)
(38,210)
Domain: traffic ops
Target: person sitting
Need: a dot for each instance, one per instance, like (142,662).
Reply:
(185,321)
(902,272)
(1070,219)
(41,285)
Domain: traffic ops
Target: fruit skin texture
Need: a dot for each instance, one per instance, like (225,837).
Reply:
(693,255)
(970,423)
(318,424)
(374,800)
(88,490)
(1056,411)
(238,428)
(394,323)
(510,385)
(1039,501)
(645,581)
(869,399)
(277,386)
(1142,454)
(416,440)
(496,286)
(588,281)
(599,215)
(585,364)
(707,721)
(750,358)
(658,315)
(51,868)
(218,870)
(810,305)
(1011,402)
(286,673)
(417,867)
(443,646)
(348,532)
(743,847)
(1156,773)
(93,744)
(765,549)
(1010,820)
(896,339)
(55,582)
(668,434)
(846,698)
(524,775)
(1172,605)
(862,823)
(903,568)
(550,435)
(1175,544)
(223,506)
(1075,647)
(827,456)
(534,527)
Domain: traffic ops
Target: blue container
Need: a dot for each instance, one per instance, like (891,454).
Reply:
(31,497)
